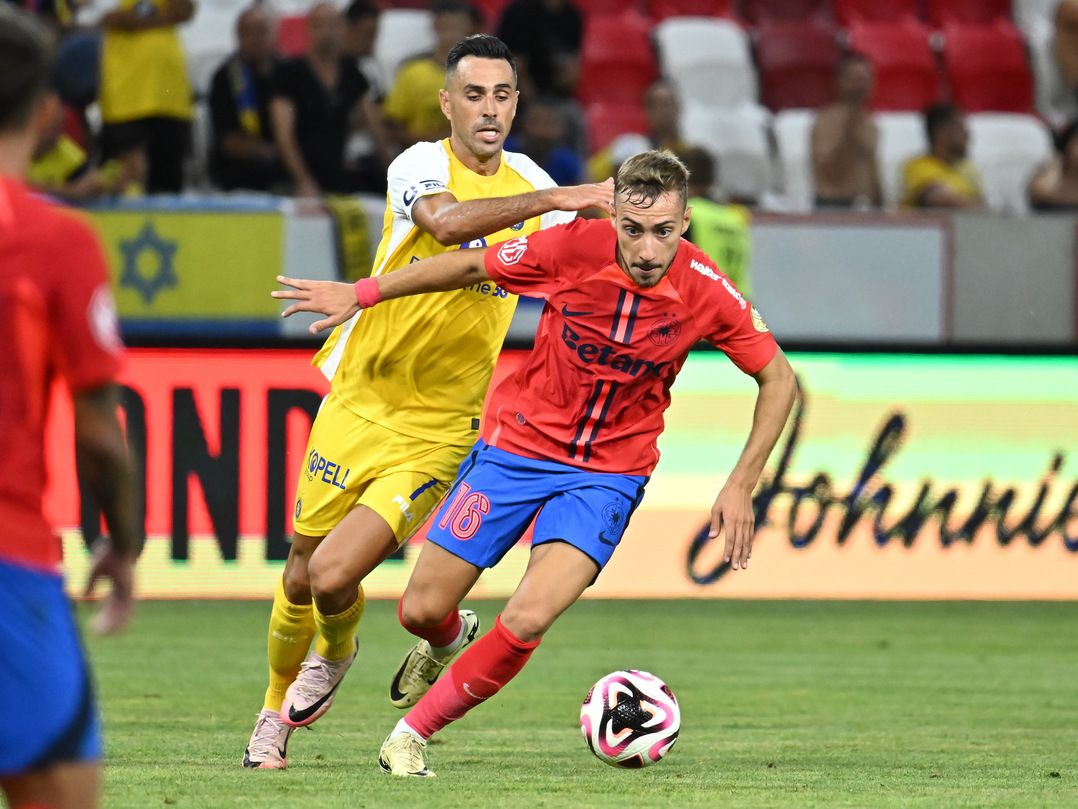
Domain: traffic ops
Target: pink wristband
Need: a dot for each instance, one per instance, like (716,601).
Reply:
(367,293)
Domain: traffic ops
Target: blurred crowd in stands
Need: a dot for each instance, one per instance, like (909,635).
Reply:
(791,105)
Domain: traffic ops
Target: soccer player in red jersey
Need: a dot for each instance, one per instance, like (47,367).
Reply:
(576,425)
(56,319)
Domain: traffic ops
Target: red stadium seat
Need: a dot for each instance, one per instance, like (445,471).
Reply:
(491,11)
(606,121)
(759,12)
(987,68)
(591,8)
(847,11)
(941,12)
(661,9)
(906,74)
(617,61)
(797,64)
(292,36)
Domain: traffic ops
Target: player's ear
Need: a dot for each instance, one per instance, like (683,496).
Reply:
(443,102)
(686,218)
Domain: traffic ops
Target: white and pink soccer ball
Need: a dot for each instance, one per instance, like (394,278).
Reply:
(630,719)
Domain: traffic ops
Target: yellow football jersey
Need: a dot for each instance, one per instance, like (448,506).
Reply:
(144,73)
(421,365)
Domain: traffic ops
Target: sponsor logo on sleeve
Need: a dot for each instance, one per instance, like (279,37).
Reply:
(101,316)
(758,321)
(424,187)
(512,251)
(707,272)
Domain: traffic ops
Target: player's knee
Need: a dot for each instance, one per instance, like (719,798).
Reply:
(297,579)
(526,623)
(418,612)
(328,579)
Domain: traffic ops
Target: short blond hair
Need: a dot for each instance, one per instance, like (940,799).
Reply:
(645,177)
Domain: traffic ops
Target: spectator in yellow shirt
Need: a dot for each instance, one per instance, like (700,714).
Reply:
(146,101)
(413,108)
(945,177)
(60,166)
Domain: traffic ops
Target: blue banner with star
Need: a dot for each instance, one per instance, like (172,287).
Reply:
(184,272)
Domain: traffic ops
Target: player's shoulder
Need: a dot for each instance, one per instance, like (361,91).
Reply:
(694,269)
(55,235)
(421,156)
(30,211)
(530,171)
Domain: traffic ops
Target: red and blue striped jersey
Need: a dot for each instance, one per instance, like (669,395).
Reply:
(593,392)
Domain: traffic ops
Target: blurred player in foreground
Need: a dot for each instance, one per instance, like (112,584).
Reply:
(577,425)
(408,382)
(56,318)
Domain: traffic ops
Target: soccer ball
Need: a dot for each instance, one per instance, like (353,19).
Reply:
(630,719)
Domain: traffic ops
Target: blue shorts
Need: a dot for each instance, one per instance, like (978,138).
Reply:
(497,494)
(49,712)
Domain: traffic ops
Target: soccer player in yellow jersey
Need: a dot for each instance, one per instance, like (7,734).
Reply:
(408,382)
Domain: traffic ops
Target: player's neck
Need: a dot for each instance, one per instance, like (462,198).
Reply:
(471,162)
(16,151)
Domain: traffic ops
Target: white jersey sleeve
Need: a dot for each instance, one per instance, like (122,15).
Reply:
(539,179)
(417,172)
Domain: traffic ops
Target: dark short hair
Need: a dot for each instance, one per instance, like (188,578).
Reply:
(645,177)
(938,116)
(481,46)
(24,67)
(361,10)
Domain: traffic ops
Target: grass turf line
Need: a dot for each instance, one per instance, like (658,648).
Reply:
(784,704)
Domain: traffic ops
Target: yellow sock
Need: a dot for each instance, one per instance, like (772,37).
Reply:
(336,633)
(291,628)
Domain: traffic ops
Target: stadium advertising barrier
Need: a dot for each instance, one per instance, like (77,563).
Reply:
(196,266)
(898,476)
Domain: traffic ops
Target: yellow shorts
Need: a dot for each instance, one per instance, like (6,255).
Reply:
(351,462)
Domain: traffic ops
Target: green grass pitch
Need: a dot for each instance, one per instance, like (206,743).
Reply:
(784,704)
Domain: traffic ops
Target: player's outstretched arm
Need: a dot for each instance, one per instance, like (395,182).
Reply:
(732,511)
(339,301)
(103,463)
(451,221)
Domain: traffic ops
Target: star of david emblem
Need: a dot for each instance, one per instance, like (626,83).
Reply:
(148,284)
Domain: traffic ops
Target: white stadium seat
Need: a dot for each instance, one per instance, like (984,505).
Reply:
(738,138)
(793,136)
(402,34)
(1006,148)
(708,59)
(902,136)
(208,39)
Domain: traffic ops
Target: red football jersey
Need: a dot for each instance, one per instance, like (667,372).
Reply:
(593,392)
(56,317)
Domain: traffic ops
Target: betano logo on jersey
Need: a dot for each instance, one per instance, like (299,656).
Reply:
(590,353)
(318,464)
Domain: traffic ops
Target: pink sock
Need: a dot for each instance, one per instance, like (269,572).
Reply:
(440,635)
(480,673)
